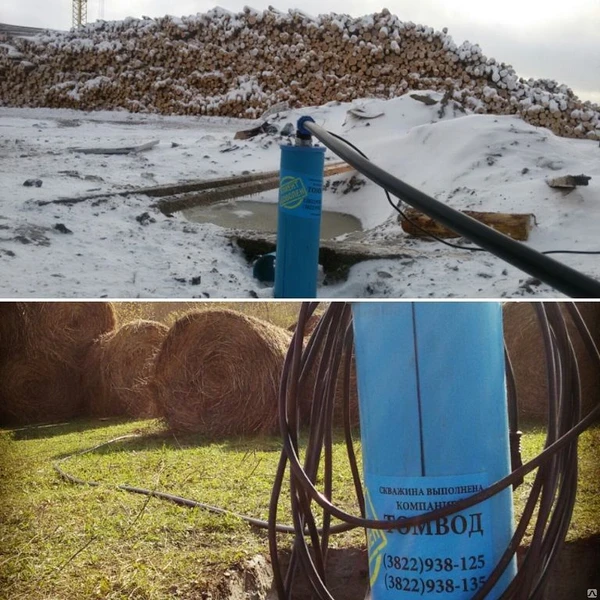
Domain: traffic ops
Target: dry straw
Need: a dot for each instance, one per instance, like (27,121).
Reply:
(119,366)
(37,390)
(339,395)
(309,327)
(12,328)
(307,392)
(218,373)
(523,338)
(41,371)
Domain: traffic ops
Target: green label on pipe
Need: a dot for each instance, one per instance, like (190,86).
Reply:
(300,194)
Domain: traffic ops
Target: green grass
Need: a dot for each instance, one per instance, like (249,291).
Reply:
(586,514)
(59,540)
(132,547)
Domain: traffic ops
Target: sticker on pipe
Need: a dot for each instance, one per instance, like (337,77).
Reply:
(450,557)
(300,195)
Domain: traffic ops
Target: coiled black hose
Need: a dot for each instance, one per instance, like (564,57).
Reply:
(553,491)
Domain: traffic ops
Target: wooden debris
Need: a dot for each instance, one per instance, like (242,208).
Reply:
(517,226)
(122,150)
(336,257)
(424,98)
(365,112)
(569,181)
(234,188)
(197,185)
(247,134)
(218,194)
(168,189)
(275,110)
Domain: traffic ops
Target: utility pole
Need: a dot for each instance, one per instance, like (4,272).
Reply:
(79,13)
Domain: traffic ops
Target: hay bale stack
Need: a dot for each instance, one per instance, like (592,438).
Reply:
(307,392)
(12,328)
(38,390)
(60,329)
(220,63)
(310,326)
(354,413)
(338,414)
(525,346)
(42,371)
(218,373)
(118,368)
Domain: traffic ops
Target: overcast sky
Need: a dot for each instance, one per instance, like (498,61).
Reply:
(556,39)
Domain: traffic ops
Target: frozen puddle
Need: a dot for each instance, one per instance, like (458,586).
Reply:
(262,216)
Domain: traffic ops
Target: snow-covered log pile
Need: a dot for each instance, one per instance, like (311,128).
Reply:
(220,63)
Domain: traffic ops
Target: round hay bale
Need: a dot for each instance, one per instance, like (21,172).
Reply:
(307,392)
(12,328)
(41,373)
(37,391)
(338,410)
(523,339)
(339,396)
(311,325)
(218,373)
(58,329)
(118,367)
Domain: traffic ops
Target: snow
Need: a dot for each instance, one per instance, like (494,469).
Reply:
(12,52)
(466,160)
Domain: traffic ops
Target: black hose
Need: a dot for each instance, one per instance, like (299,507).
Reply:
(561,277)
(179,500)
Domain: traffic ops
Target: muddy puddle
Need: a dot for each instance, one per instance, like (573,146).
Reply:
(262,216)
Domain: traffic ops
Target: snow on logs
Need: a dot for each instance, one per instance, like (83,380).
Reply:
(221,63)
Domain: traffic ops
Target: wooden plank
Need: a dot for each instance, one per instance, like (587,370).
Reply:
(517,226)
(211,196)
(336,257)
(569,181)
(195,185)
(236,188)
(365,112)
(424,98)
(122,150)
(336,169)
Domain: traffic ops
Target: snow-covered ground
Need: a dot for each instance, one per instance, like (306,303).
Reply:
(478,162)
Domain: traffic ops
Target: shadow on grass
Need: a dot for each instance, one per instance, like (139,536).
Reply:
(50,430)
(166,439)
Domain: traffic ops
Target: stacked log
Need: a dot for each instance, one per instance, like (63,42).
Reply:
(220,63)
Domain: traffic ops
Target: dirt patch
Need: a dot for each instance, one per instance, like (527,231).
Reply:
(575,571)
(252,580)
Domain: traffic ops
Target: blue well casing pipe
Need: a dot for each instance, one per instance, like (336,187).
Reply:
(299,217)
(434,429)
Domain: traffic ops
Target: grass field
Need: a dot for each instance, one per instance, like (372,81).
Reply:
(59,540)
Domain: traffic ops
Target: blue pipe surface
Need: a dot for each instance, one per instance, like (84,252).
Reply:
(434,429)
(299,221)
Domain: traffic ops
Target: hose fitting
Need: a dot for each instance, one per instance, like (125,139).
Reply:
(303,135)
